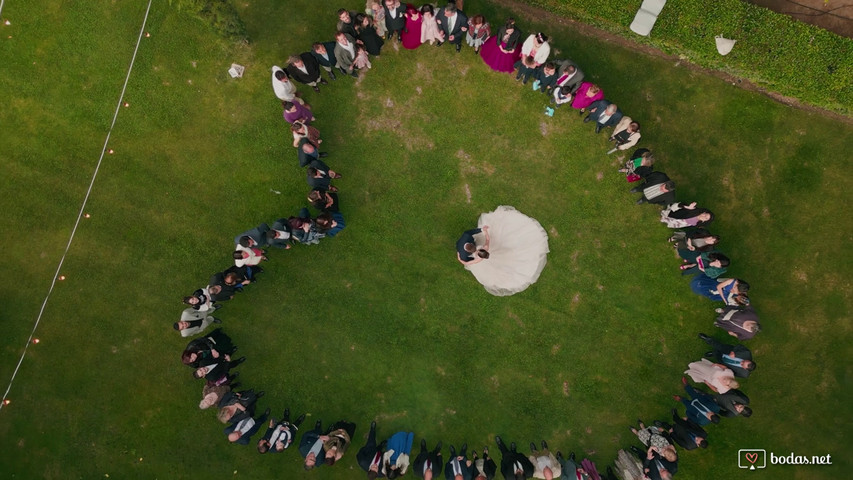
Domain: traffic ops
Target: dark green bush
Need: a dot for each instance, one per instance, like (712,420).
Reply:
(774,51)
(220,14)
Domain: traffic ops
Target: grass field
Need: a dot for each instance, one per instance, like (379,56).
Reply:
(381,322)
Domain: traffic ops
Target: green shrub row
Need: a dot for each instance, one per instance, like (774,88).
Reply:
(220,14)
(774,51)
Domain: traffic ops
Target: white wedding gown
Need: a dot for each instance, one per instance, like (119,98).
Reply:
(518,249)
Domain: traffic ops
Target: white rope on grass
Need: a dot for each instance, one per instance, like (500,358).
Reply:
(82,206)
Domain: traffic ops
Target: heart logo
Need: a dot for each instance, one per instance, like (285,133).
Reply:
(751,457)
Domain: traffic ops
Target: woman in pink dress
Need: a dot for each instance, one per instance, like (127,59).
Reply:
(429,29)
(412,32)
(586,94)
(501,51)
(716,376)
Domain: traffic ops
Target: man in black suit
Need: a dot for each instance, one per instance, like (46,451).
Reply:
(324,53)
(307,152)
(345,22)
(428,464)
(458,467)
(304,68)
(280,435)
(685,433)
(280,234)
(514,465)
(733,403)
(369,457)
(737,357)
(453,23)
(604,113)
(657,188)
(395,18)
(320,176)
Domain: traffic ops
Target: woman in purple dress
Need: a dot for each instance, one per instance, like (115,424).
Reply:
(501,51)
(412,32)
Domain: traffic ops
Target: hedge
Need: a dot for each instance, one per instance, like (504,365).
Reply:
(220,14)
(775,52)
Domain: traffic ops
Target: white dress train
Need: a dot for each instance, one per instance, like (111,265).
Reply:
(518,251)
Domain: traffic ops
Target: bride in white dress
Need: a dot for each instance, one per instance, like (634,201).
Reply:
(518,249)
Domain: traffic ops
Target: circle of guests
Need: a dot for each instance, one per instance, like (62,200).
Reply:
(359,36)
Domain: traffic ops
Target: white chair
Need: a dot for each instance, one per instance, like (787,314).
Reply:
(646,17)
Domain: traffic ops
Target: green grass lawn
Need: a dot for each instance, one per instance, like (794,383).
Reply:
(381,322)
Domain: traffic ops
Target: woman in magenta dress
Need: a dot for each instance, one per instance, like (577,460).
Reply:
(501,51)
(586,94)
(412,32)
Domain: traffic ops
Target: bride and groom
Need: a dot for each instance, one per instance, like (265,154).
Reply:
(506,253)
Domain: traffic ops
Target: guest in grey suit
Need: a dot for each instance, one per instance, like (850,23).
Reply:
(345,53)
(255,237)
(193,322)
(569,75)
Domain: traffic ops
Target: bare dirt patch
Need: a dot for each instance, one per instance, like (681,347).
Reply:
(468,165)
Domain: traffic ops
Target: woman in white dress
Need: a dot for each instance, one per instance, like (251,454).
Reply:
(518,249)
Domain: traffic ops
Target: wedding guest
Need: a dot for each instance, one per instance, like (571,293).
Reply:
(346,22)
(604,114)
(732,291)
(362,61)
(587,94)
(545,77)
(478,32)
(305,69)
(376,12)
(411,36)
(324,54)
(242,431)
(453,24)
(625,135)
(193,322)
(345,53)
(429,29)
(368,34)
(693,243)
(396,457)
(657,188)
(534,52)
(679,215)
(300,130)
(716,376)
(740,322)
(501,51)
(569,74)
(711,264)
(296,112)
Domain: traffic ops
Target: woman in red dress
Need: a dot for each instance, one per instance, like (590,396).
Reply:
(501,51)
(412,32)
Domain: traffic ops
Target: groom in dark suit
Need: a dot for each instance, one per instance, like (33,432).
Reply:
(453,23)
(395,18)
